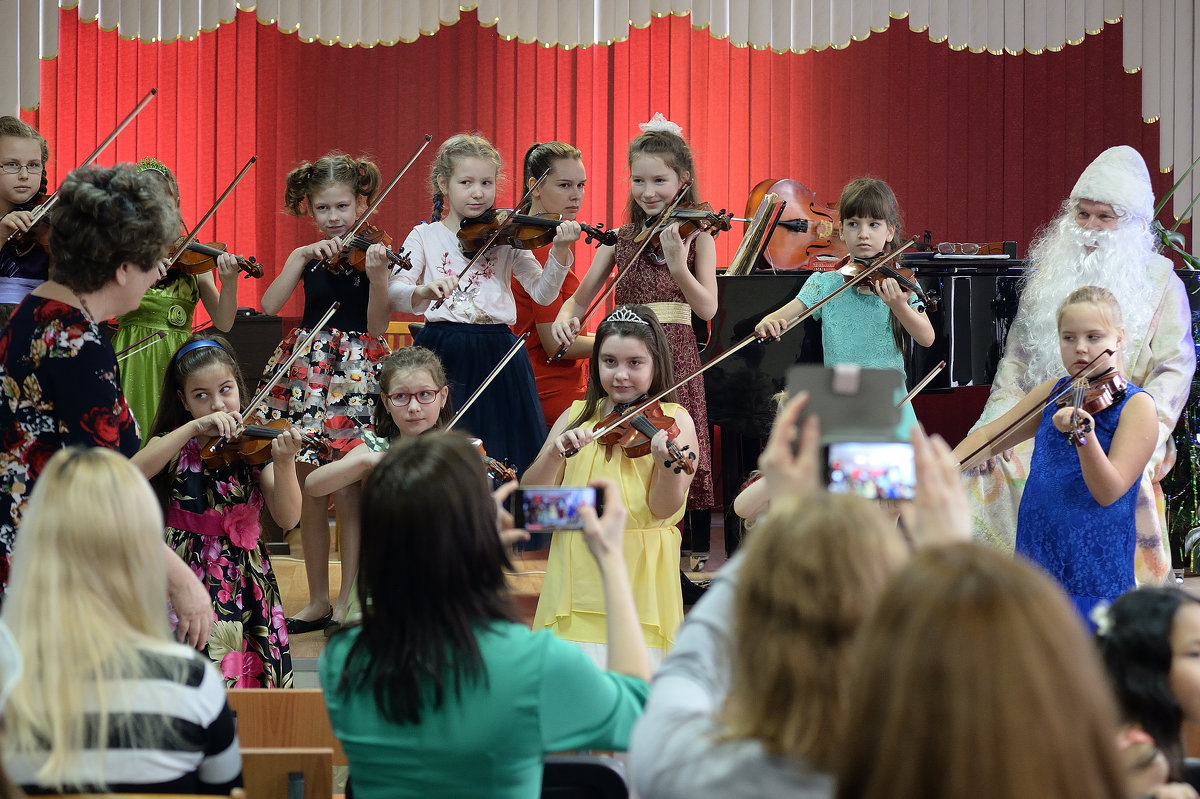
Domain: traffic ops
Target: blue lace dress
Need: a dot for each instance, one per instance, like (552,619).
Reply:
(1061,527)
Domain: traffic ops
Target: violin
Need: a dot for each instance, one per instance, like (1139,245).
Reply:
(37,237)
(522,231)
(197,259)
(691,218)
(1092,395)
(253,445)
(633,435)
(354,251)
(496,470)
(850,267)
(812,229)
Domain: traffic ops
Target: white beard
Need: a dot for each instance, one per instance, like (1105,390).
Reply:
(1059,263)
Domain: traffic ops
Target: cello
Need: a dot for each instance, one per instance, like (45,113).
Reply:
(811,231)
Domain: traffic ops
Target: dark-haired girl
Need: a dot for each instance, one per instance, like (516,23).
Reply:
(632,360)
(330,391)
(212,511)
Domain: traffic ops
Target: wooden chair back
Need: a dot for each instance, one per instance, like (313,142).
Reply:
(288,773)
(272,718)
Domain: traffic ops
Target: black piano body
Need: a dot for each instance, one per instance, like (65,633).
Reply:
(977,300)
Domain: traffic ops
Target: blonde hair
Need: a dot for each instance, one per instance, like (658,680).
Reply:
(453,150)
(957,674)
(813,570)
(1099,298)
(87,598)
(18,129)
(360,175)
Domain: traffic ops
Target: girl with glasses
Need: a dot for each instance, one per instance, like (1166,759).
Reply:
(23,157)
(414,398)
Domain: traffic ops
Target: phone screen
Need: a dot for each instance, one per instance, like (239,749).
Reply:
(538,509)
(871,469)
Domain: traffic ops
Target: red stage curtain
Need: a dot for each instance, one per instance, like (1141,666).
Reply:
(978,147)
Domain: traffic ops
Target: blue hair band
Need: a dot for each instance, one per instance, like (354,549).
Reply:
(196,345)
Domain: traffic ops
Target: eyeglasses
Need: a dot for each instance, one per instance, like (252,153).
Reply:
(949,248)
(12,168)
(400,399)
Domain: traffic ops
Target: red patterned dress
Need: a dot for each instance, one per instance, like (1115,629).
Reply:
(647,283)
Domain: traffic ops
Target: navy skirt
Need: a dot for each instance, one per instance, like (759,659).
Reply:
(507,416)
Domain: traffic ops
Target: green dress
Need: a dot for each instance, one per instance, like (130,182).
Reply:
(168,308)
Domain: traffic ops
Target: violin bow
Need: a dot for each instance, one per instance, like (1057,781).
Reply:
(660,224)
(362,220)
(487,381)
(924,382)
(969,461)
(492,238)
(141,344)
(50,201)
(211,211)
(854,281)
(283,368)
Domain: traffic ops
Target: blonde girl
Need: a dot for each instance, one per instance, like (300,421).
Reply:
(470,331)
(1076,518)
(104,691)
(23,157)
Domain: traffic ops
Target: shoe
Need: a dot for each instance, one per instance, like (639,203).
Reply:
(332,627)
(698,561)
(300,626)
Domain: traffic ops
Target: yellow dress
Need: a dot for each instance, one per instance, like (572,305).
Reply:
(572,600)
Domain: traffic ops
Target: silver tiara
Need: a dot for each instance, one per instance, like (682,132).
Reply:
(623,314)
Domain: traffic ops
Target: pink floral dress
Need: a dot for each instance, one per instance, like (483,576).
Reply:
(213,524)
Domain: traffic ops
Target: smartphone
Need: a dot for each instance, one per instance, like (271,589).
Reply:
(539,508)
(871,469)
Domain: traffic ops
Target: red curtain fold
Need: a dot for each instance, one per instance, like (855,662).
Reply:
(978,147)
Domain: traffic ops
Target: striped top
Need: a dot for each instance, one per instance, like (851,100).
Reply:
(171,732)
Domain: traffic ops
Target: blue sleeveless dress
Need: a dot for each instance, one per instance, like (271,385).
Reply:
(1087,547)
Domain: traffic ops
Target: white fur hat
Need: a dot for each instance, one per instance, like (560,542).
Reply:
(1118,177)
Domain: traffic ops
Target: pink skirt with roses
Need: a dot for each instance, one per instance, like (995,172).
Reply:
(330,391)
(212,523)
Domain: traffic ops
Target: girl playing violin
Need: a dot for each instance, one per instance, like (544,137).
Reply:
(414,398)
(865,326)
(677,279)
(212,512)
(470,331)
(1076,518)
(560,381)
(331,389)
(23,157)
(168,307)
(632,360)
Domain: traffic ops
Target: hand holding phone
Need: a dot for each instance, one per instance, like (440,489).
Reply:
(872,469)
(544,508)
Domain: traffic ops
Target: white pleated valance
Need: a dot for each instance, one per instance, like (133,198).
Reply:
(1161,37)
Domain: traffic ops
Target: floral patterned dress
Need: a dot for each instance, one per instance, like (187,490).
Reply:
(213,524)
(58,388)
